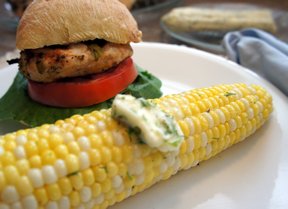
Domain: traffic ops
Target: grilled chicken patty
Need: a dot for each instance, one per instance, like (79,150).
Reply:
(52,63)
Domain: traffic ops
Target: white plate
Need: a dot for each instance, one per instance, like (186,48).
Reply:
(252,174)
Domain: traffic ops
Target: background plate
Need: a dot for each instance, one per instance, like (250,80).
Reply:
(252,174)
(211,40)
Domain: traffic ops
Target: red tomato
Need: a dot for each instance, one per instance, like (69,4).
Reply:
(84,91)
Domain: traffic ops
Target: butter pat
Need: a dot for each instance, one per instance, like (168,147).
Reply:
(148,122)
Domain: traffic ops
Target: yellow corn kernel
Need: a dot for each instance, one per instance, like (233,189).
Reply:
(215,118)
(127,154)
(76,181)
(100,174)
(96,189)
(43,132)
(31,148)
(222,130)
(2,181)
(109,195)
(94,156)
(48,157)
(148,165)
(95,141)
(122,169)
(77,131)
(7,158)
(184,161)
(197,124)
(105,185)
(32,136)
(61,151)
(197,141)
(53,192)
(183,148)
(22,166)
(11,174)
(186,110)
(88,177)
(196,156)
(41,196)
(24,186)
(184,127)
(157,158)
(73,148)
(89,129)
(65,186)
(74,198)
(55,140)
(35,161)
(9,146)
(116,154)
(112,169)
(194,109)
(108,138)
(72,163)
(105,154)
(167,174)
(129,181)
(226,113)
(43,144)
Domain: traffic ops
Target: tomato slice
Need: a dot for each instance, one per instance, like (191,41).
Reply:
(84,91)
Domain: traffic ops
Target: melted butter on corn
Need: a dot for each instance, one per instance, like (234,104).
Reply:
(148,122)
(90,161)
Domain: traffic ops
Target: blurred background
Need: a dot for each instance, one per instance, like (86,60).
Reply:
(148,14)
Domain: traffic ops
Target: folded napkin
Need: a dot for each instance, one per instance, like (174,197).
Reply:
(260,52)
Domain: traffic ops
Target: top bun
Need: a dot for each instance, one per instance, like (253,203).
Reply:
(52,22)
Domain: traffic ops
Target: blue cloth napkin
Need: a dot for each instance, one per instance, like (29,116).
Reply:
(260,52)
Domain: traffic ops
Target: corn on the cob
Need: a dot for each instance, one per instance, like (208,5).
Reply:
(89,161)
(189,19)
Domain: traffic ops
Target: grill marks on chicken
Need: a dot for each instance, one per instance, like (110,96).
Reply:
(52,63)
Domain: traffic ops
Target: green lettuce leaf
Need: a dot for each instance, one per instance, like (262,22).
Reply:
(16,105)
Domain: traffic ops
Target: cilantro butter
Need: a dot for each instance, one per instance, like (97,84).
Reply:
(151,124)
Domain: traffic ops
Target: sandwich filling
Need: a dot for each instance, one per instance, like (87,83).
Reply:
(56,62)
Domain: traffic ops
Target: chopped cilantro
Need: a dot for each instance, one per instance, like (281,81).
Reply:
(134,131)
(228,94)
(129,176)
(73,173)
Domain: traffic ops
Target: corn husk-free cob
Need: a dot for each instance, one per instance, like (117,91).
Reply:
(190,19)
(91,161)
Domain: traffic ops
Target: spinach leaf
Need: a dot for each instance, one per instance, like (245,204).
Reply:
(16,104)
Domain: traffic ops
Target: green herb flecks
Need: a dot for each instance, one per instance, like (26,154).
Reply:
(73,174)
(134,131)
(129,176)
(145,103)
(95,50)
(228,94)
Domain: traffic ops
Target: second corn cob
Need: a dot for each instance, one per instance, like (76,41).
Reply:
(188,19)
(91,161)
